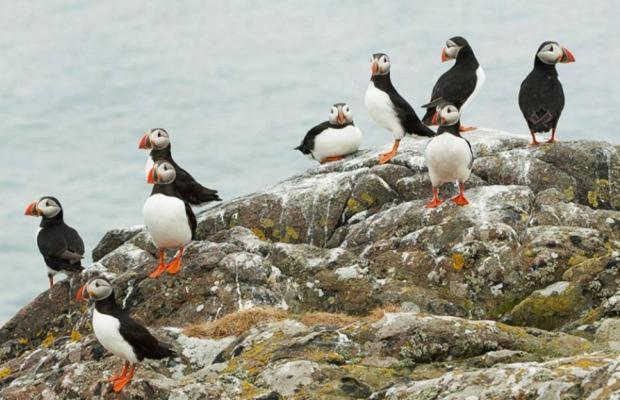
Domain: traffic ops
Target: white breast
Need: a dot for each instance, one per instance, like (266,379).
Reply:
(381,109)
(337,142)
(480,77)
(147,167)
(166,221)
(106,329)
(448,159)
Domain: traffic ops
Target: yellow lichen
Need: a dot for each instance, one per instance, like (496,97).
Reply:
(353,205)
(292,233)
(267,222)
(524,216)
(458,261)
(593,198)
(48,341)
(368,199)
(259,233)
(22,341)
(576,260)
(569,193)
(75,336)
(4,372)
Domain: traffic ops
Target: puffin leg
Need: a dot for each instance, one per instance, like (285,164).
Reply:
(115,378)
(534,142)
(460,199)
(161,267)
(467,128)
(51,279)
(331,158)
(175,265)
(386,157)
(552,140)
(124,380)
(436,201)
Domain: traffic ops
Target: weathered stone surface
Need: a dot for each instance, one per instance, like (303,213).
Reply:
(538,247)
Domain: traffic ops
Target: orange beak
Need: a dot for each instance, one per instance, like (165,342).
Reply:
(567,57)
(444,55)
(82,293)
(374,68)
(150,179)
(341,119)
(434,119)
(144,143)
(31,209)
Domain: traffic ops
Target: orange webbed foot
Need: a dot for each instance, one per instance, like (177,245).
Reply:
(467,128)
(160,270)
(121,382)
(174,266)
(552,140)
(460,200)
(386,157)
(331,158)
(434,203)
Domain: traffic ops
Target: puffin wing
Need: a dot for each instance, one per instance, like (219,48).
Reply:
(541,101)
(192,191)
(144,344)
(408,118)
(307,144)
(54,245)
(191,219)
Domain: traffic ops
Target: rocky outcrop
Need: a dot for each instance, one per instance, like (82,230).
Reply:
(514,296)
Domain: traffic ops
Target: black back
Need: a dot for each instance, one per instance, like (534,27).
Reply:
(172,190)
(541,97)
(456,84)
(307,144)
(408,118)
(144,344)
(61,245)
(190,190)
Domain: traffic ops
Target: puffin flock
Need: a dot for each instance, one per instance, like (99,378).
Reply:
(171,223)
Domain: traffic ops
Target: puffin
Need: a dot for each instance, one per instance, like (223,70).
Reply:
(120,334)
(158,141)
(541,98)
(448,155)
(61,245)
(388,108)
(333,139)
(169,219)
(460,84)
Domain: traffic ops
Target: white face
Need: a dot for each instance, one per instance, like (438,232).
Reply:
(380,64)
(448,115)
(48,208)
(340,114)
(164,173)
(551,53)
(451,50)
(99,289)
(159,139)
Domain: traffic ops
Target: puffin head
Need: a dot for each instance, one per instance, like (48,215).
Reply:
(380,64)
(453,46)
(46,207)
(95,289)
(447,114)
(162,173)
(551,52)
(156,138)
(340,114)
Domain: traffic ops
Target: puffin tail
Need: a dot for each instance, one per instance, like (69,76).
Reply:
(423,130)
(302,148)
(163,350)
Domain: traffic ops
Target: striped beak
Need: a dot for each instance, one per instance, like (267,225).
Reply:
(150,179)
(434,119)
(144,143)
(567,56)
(444,55)
(31,209)
(82,293)
(374,67)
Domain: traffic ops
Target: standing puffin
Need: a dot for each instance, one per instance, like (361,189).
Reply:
(191,191)
(120,334)
(388,108)
(448,155)
(460,84)
(541,98)
(170,221)
(61,246)
(333,139)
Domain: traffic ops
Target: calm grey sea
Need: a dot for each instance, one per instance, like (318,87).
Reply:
(237,84)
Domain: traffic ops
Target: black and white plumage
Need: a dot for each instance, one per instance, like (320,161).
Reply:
(120,334)
(541,97)
(448,155)
(61,245)
(388,108)
(169,220)
(461,83)
(333,139)
(158,140)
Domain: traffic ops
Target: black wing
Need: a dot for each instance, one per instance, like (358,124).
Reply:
(192,191)
(471,151)
(454,86)
(541,100)
(191,218)
(408,118)
(144,344)
(61,247)
(307,144)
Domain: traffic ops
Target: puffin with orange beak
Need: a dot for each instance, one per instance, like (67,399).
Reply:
(460,84)
(388,108)
(169,220)
(158,141)
(541,97)
(120,334)
(60,245)
(448,155)
(334,139)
